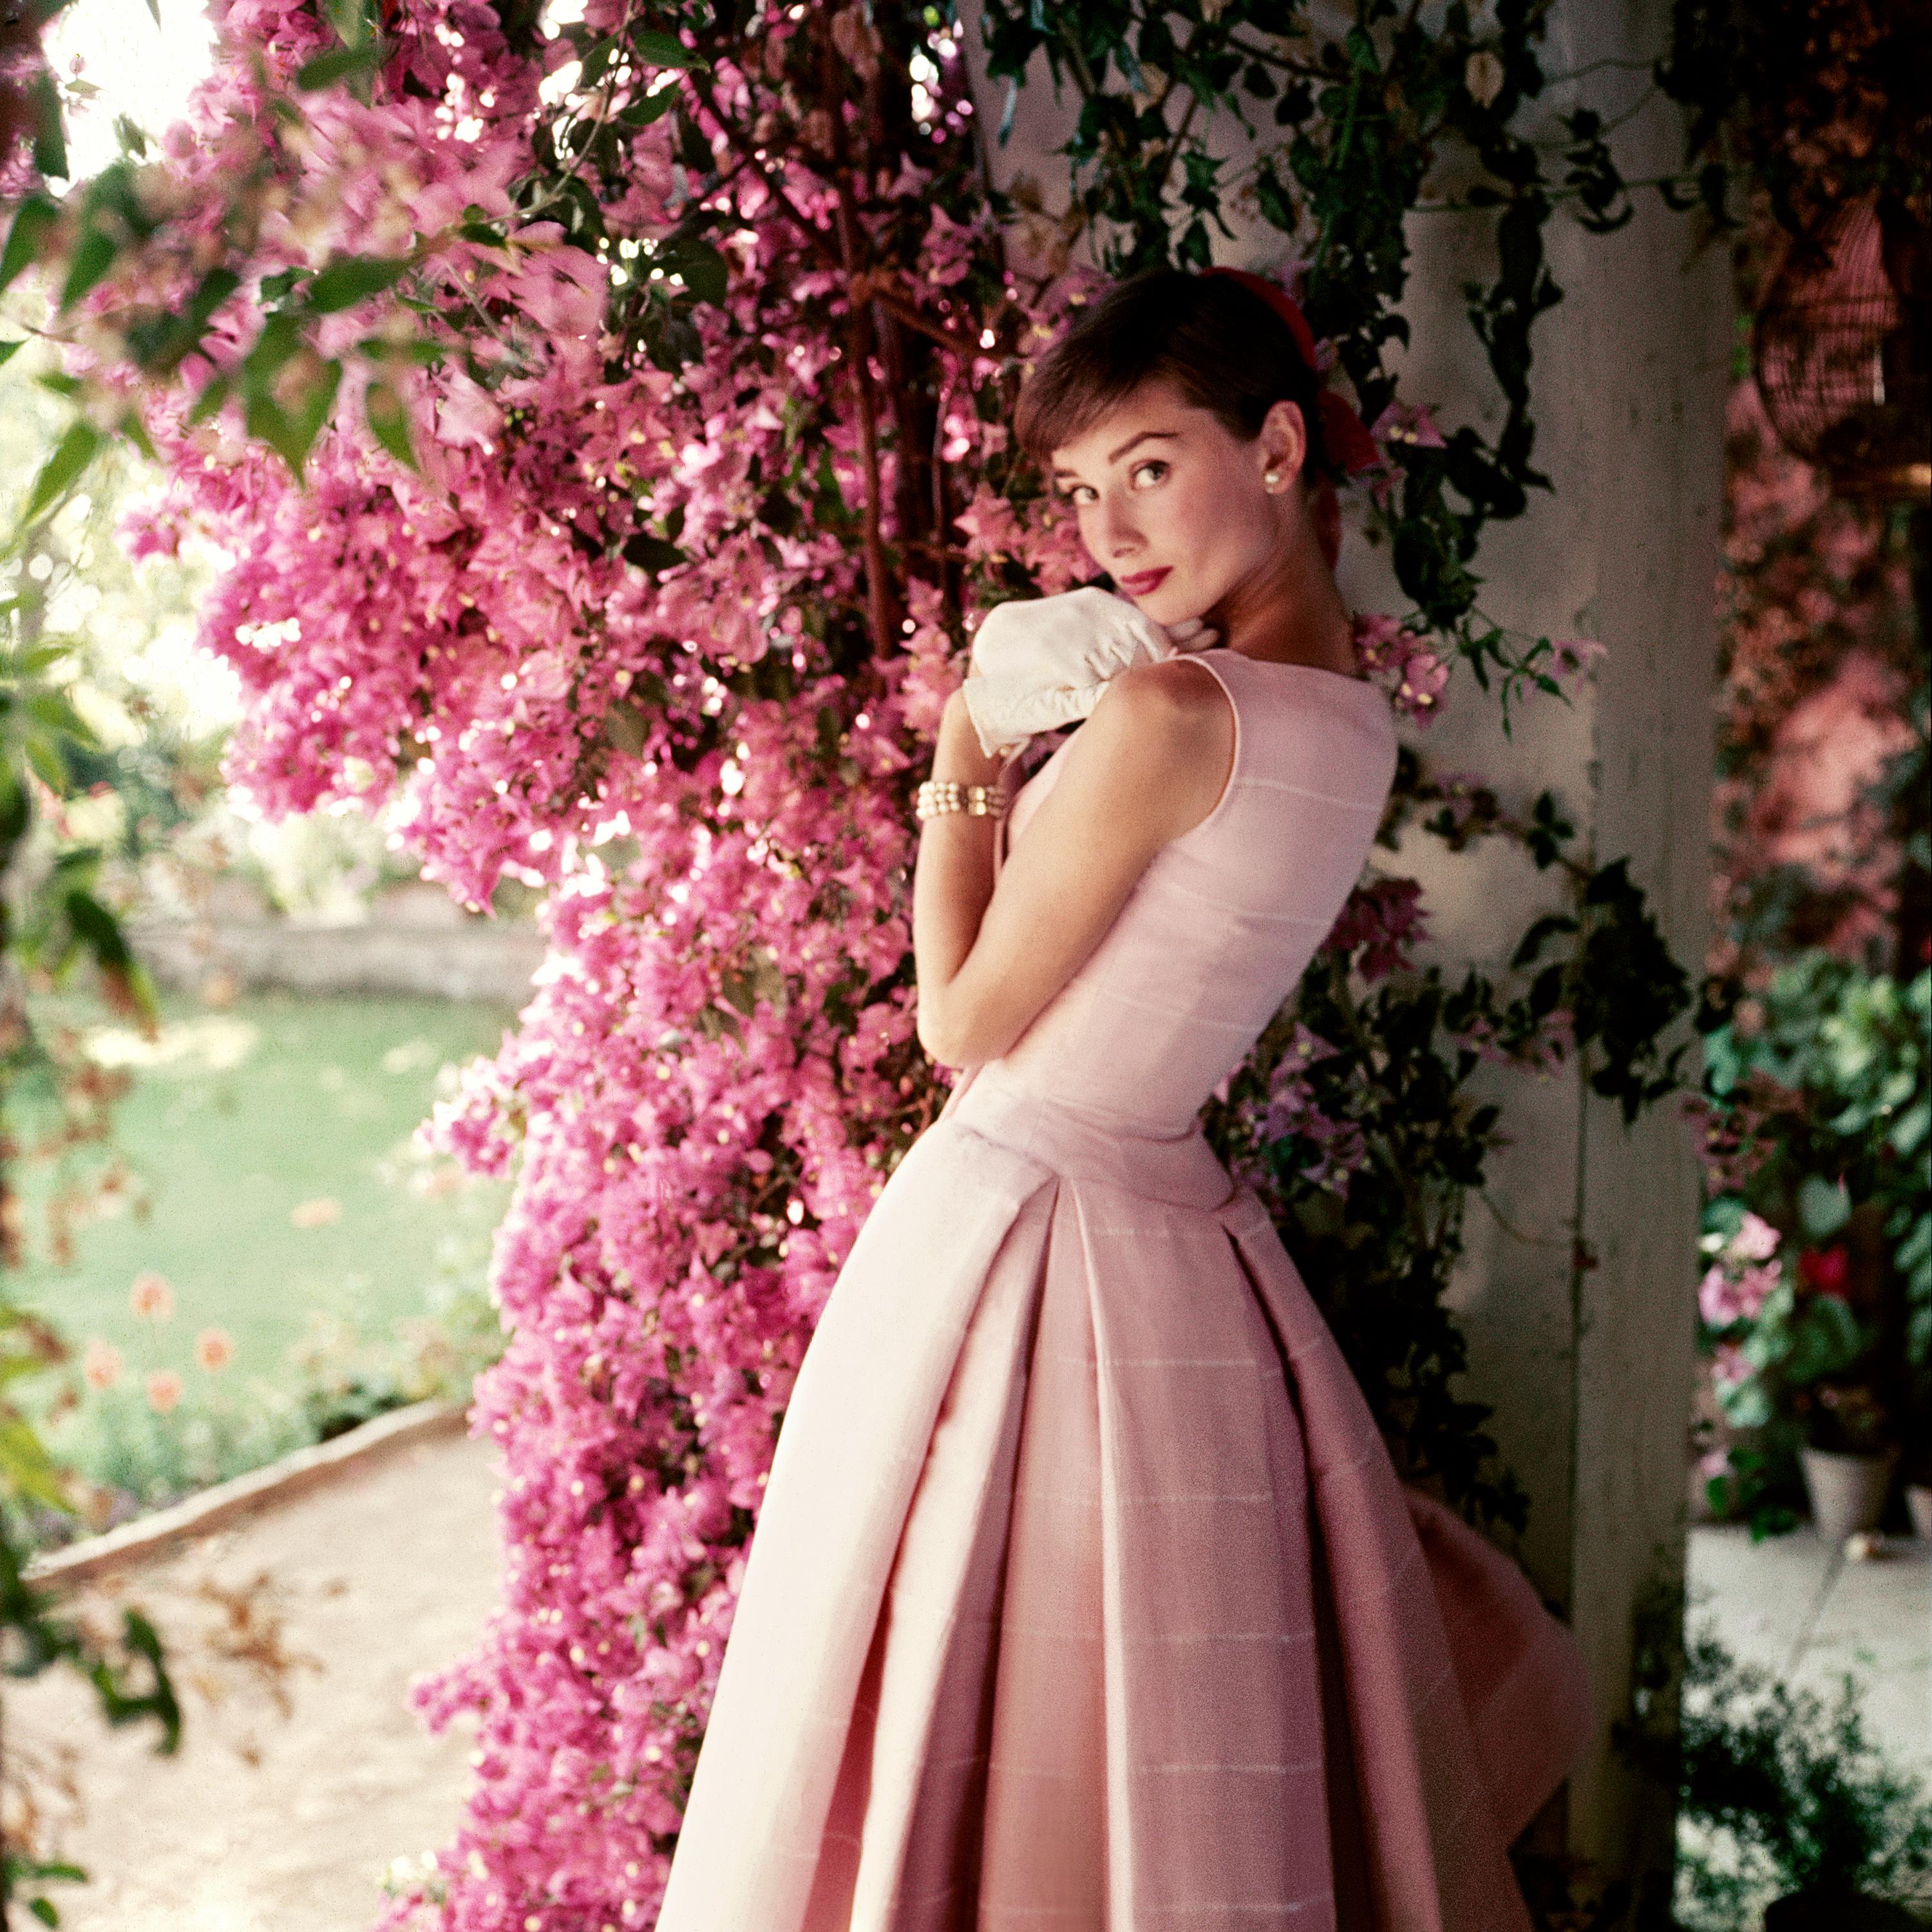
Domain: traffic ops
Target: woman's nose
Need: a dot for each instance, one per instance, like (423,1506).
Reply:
(1119,539)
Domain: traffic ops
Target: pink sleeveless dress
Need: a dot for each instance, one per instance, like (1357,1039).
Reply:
(1085,1596)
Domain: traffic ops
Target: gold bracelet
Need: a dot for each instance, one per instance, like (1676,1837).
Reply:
(936,795)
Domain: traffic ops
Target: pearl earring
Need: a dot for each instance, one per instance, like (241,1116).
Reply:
(1272,478)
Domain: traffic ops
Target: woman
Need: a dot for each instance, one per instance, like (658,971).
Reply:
(1084,1596)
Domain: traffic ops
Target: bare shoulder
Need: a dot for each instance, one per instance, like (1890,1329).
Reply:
(1175,700)
(1170,722)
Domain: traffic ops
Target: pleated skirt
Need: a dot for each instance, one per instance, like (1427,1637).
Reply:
(1085,1596)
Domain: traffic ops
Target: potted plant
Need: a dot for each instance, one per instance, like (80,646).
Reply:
(1816,1300)
(1847,1460)
(1792,1366)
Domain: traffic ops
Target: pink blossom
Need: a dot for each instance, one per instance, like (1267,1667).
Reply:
(1405,662)
(100,1364)
(1573,657)
(165,1389)
(1407,422)
(214,1349)
(151,1297)
(1381,921)
(1756,1240)
(993,529)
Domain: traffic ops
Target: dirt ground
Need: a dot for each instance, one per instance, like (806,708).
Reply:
(389,1573)
(392,1572)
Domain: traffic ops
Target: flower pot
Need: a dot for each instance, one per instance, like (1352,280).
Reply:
(1837,1909)
(1918,1500)
(1847,1492)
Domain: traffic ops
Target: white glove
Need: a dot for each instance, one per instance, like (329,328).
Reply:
(1039,663)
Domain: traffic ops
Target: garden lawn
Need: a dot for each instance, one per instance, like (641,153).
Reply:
(272,1135)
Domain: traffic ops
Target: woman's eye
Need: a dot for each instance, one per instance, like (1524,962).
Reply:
(1071,493)
(1152,463)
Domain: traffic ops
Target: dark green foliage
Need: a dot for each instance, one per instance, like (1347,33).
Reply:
(1786,1793)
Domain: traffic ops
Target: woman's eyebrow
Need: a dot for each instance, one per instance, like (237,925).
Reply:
(1146,435)
(1115,455)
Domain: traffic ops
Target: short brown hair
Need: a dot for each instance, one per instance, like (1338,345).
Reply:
(1220,344)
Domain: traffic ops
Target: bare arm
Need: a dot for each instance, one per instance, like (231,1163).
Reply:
(1148,764)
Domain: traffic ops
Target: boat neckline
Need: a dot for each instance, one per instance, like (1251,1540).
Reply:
(1283,664)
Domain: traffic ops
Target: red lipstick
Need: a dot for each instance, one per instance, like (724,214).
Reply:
(1148,580)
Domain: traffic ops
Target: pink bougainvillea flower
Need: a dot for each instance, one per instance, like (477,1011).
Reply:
(1383,918)
(1404,662)
(1756,1240)
(100,1364)
(993,529)
(151,1297)
(214,1349)
(1407,422)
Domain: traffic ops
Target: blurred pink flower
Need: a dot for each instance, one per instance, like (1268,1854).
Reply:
(100,1364)
(165,1389)
(1724,1298)
(151,1297)
(1756,1240)
(214,1349)
(1574,656)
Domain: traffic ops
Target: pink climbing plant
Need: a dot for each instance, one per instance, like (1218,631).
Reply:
(606,428)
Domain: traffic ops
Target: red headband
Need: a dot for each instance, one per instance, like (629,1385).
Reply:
(1348,443)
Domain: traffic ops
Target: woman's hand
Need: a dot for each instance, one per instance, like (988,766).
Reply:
(1039,663)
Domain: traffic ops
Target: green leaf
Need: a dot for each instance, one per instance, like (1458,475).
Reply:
(647,108)
(62,469)
(650,553)
(1824,1206)
(1826,1340)
(341,64)
(27,1469)
(49,138)
(350,279)
(93,256)
(213,395)
(9,349)
(663,50)
(53,709)
(44,755)
(292,433)
(390,420)
(36,216)
(704,270)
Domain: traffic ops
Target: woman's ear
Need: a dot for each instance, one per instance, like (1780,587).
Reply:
(1284,439)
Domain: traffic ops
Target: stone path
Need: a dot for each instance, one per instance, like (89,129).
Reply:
(393,1572)
(1807,1612)
(389,1573)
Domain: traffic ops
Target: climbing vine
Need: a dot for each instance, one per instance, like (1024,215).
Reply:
(607,420)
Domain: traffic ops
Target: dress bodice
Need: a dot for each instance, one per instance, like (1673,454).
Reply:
(1219,928)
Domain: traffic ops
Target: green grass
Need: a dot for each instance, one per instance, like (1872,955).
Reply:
(237,1117)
